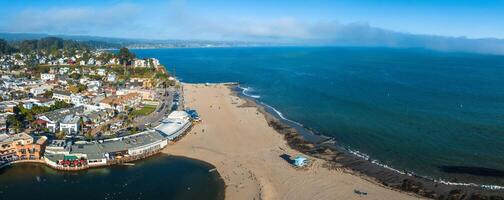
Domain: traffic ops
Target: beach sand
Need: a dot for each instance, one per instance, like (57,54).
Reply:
(246,152)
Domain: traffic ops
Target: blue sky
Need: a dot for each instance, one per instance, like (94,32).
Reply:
(260,20)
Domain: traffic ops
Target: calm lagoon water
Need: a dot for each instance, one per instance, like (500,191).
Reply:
(159,177)
(412,109)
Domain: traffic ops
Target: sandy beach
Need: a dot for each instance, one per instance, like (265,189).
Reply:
(246,152)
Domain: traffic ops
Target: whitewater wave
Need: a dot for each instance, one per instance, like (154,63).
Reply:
(281,115)
(245,91)
(441,181)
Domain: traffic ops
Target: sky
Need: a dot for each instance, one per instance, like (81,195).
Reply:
(365,22)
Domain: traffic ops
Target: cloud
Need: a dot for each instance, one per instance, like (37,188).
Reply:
(73,20)
(176,20)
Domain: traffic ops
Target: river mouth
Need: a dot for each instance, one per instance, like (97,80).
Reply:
(158,177)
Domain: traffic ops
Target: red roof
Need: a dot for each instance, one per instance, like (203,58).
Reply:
(40,122)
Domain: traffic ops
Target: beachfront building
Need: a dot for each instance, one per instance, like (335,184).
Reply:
(173,126)
(20,146)
(58,147)
(99,153)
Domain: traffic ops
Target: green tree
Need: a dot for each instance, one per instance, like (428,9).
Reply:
(5,48)
(125,57)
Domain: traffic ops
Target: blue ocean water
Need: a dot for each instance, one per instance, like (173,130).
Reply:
(158,177)
(411,109)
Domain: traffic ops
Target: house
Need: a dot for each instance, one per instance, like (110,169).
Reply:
(3,124)
(111,77)
(113,61)
(155,62)
(64,70)
(53,70)
(77,99)
(39,90)
(144,94)
(44,102)
(120,103)
(47,77)
(139,63)
(91,61)
(101,72)
(54,118)
(70,124)
(61,95)
(140,82)
(82,62)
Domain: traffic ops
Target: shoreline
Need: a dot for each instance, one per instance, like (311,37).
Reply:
(325,147)
(249,159)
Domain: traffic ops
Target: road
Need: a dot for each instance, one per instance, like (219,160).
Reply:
(163,108)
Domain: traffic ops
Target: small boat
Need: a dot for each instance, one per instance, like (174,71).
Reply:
(128,164)
(212,170)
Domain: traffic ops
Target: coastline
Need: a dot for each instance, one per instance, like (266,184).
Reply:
(353,162)
(249,157)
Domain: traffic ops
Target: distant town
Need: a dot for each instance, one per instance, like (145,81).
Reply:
(72,107)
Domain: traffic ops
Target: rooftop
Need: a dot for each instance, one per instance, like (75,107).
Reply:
(4,138)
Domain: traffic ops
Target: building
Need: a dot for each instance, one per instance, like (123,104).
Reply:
(111,77)
(101,72)
(39,90)
(120,103)
(3,124)
(139,63)
(89,154)
(20,146)
(62,96)
(173,126)
(77,99)
(54,118)
(57,147)
(47,77)
(144,93)
(70,124)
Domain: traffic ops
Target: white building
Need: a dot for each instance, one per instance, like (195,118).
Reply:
(47,77)
(64,70)
(111,77)
(101,72)
(62,96)
(70,124)
(77,99)
(174,125)
(40,89)
(139,63)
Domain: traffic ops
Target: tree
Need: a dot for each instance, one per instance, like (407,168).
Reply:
(60,135)
(125,57)
(5,48)
(77,88)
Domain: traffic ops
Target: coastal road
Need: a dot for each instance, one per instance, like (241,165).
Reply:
(163,108)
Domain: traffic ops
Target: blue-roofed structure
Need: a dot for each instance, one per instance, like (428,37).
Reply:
(300,161)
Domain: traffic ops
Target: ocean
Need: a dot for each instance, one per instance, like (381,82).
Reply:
(434,114)
(164,176)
